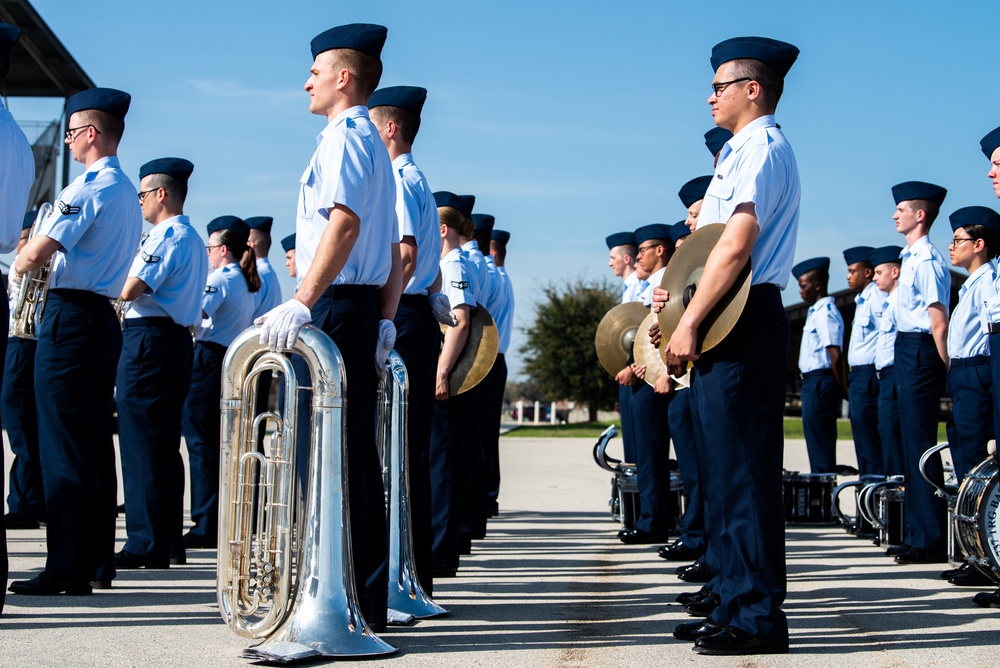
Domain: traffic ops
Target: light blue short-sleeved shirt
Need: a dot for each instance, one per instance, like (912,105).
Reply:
(633,288)
(17,172)
(864,330)
(417,214)
(455,284)
(646,296)
(968,331)
(757,165)
(824,328)
(97,222)
(228,305)
(269,294)
(885,342)
(483,284)
(350,167)
(505,316)
(173,264)
(923,280)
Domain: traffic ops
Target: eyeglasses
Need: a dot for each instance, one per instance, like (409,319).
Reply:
(209,248)
(722,85)
(643,249)
(955,242)
(71,133)
(143,193)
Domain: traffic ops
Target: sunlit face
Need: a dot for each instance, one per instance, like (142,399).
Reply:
(886,275)
(693,211)
(963,248)
(808,288)
(323,83)
(859,275)
(147,199)
(78,140)
(617,261)
(290,262)
(647,256)
(994,173)
(732,102)
(216,251)
(906,217)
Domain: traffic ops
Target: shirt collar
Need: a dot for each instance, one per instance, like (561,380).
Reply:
(358,111)
(822,301)
(743,136)
(453,252)
(470,246)
(102,163)
(402,161)
(917,246)
(974,277)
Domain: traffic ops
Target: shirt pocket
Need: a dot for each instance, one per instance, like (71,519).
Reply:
(307,193)
(720,189)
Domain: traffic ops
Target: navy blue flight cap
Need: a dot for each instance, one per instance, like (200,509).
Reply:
(109,100)
(918,190)
(500,236)
(990,142)
(655,231)
(694,190)
(857,254)
(716,138)
(8,38)
(975,215)
(483,222)
(468,203)
(779,56)
(621,239)
(262,223)
(461,203)
(29,219)
(367,38)
(679,230)
(231,223)
(179,168)
(822,263)
(288,243)
(885,254)
(407,98)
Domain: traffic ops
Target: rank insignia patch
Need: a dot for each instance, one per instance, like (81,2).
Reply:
(210,290)
(146,257)
(461,285)
(67,210)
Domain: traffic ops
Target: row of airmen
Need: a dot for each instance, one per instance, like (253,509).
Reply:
(368,251)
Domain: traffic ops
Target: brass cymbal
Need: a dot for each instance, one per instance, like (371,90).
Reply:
(478,355)
(646,354)
(681,279)
(616,333)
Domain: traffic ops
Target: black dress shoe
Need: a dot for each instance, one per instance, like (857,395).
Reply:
(126,560)
(987,599)
(704,607)
(639,537)
(16,521)
(916,555)
(691,631)
(952,572)
(445,571)
(100,584)
(969,576)
(691,596)
(678,551)
(45,585)
(696,572)
(897,549)
(732,641)
(195,542)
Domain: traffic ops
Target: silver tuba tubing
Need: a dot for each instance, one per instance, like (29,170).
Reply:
(26,313)
(405,593)
(318,613)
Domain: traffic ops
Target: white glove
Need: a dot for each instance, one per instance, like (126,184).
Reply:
(441,308)
(386,340)
(282,324)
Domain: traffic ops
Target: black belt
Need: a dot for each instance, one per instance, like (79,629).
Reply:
(414,301)
(917,336)
(351,291)
(885,371)
(213,346)
(817,372)
(161,322)
(993,327)
(978,360)
(863,367)
(82,297)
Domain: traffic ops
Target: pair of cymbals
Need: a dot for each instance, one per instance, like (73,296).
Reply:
(616,334)
(478,354)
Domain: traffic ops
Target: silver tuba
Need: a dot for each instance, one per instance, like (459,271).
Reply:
(405,593)
(27,310)
(314,613)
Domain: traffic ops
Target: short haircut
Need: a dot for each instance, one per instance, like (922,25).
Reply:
(110,126)
(931,209)
(407,122)
(367,71)
(262,240)
(771,85)
(988,235)
(499,248)
(176,190)
(628,249)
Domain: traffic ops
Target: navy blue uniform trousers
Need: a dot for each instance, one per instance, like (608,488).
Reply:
(628,432)
(970,385)
(498,384)
(889,429)
(153,374)
(863,392)
(79,342)
(682,434)
(820,409)
(652,459)
(920,377)
(17,406)
(4,562)
(448,448)
(739,389)
(200,424)
(418,340)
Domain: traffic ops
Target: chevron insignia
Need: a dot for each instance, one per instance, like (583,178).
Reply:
(67,210)
(461,285)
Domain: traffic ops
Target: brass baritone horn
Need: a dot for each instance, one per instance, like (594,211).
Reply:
(405,593)
(27,311)
(315,613)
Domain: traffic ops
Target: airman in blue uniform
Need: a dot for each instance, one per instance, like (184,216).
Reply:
(288,245)
(885,275)
(504,318)
(622,253)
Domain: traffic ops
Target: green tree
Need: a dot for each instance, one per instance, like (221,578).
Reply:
(559,355)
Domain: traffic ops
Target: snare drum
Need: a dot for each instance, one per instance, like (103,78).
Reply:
(677,498)
(628,496)
(976,510)
(808,497)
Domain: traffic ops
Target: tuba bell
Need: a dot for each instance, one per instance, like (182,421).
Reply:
(313,611)
(405,593)
(27,310)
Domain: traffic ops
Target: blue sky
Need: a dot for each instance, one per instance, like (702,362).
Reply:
(567,120)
